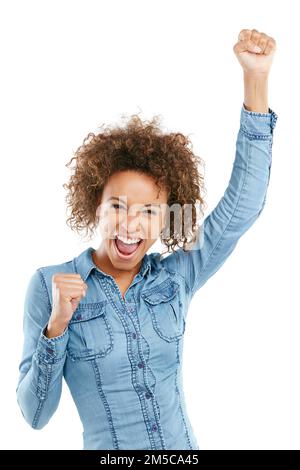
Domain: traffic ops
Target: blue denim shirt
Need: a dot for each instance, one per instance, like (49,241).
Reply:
(121,357)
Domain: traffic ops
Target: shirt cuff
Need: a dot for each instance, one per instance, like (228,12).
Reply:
(258,124)
(52,350)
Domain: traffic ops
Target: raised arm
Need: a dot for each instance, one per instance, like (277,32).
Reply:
(245,194)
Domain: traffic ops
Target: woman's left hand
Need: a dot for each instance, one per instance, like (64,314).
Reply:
(253,61)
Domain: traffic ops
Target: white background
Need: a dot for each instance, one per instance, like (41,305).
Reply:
(69,66)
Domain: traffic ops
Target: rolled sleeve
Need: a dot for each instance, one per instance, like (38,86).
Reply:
(257,125)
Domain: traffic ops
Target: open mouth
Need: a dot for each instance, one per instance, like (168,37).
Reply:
(126,250)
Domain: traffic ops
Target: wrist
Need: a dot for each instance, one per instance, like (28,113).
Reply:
(256,74)
(54,329)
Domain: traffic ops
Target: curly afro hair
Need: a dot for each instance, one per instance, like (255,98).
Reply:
(141,146)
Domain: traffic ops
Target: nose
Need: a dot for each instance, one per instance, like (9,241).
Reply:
(131,225)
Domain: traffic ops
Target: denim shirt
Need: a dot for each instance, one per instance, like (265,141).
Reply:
(121,357)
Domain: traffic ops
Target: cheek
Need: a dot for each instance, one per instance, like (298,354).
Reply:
(106,227)
(109,224)
(154,228)
(151,226)
(155,231)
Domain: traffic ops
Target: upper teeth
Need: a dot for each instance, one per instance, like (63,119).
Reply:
(128,240)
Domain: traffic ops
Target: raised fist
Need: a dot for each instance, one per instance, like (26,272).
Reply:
(255,51)
(67,291)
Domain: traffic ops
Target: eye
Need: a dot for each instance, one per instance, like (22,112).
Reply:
(151,212)
(117,206)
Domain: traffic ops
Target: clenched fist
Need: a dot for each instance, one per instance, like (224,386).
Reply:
(255,51)
(67,291)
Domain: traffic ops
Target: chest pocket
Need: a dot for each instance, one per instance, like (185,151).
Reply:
(90,333)
(165,306)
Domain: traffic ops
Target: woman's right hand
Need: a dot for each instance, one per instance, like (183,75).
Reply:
(67,291)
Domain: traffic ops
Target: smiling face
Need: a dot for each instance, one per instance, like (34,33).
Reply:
(132,209)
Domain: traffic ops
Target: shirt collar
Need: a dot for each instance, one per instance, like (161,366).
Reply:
(84,264)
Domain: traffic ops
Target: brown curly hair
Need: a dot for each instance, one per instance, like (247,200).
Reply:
(141,146)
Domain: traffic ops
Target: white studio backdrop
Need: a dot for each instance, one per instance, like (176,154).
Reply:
(69,66)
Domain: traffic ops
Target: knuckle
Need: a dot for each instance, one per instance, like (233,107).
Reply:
(246,35)
(270,45)
(262,42)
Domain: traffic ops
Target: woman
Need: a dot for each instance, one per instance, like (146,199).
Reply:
(112,320)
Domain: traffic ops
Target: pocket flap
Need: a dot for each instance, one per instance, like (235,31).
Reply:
(161,293)
(87,311)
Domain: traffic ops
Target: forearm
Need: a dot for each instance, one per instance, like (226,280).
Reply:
(39,392)
(40,381)
(256,92)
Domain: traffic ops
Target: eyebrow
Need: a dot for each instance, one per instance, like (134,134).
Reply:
(146,205)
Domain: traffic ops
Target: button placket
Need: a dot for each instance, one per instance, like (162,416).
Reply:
(143,372)
(143,378)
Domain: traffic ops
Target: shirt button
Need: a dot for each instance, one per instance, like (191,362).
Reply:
(133,335)
(147,395)
(140,365)
(154,427)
